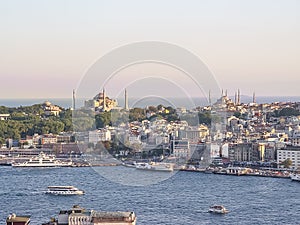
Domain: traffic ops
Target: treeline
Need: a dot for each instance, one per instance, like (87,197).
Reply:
(285,112)
(151,113)
(30,120)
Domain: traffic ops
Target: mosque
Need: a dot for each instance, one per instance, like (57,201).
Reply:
(102,103)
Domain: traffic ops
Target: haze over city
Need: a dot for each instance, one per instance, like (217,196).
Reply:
(149,112)
(48,46)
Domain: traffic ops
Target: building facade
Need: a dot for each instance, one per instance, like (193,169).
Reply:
(80,216)
(181,148)
(290,152)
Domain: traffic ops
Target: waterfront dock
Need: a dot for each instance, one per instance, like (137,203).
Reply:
(274,173)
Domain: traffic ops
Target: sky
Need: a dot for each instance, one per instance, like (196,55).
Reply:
(48,47)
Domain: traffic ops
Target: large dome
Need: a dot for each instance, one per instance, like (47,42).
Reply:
(47,103)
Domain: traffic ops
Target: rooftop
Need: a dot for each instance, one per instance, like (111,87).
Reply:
(112,216)
(15,218)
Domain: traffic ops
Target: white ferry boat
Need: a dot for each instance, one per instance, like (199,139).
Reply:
(295,177)
(64,190)
(219,209)
(165,167)
(42,160)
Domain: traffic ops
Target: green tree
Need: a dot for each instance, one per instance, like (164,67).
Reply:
(192,119)
(160,107)
(103,119)
(289,112)
(18,116)
(152,108)
(205,118)
(4,110)
(287,163)
(66,118)
(137,114)
(171,117)
(83,120)
(2,141)
(237,114)
(107,145)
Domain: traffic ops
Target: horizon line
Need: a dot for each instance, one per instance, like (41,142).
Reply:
(139,97)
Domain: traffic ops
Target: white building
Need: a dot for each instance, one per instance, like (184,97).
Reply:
(214,150)
(292,153)
(99,135)
(181,148)
(50,109)
(225,152)
(134,139)
(4,116)
(195,134)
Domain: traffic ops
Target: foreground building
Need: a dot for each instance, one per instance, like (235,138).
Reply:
(290,152)
(80,216)
(13,219)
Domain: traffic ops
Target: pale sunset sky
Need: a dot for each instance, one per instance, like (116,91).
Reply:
(48,46)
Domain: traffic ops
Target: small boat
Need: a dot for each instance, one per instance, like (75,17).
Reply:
(64,190)
(295,177)
(164,167)
(218,209)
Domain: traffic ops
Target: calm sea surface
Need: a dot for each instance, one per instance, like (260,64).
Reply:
(135,102)
(182,199)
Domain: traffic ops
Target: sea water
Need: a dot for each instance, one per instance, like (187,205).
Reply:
(183,198)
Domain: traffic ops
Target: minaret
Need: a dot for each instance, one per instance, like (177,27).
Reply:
(126,101)
(73,99)
(209,97)
(104,102)
(235,98)
(254,99)
(239,97)
(226,93)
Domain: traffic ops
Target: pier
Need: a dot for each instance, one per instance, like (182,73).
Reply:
(237,171)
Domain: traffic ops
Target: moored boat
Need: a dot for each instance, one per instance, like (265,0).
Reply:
(164,167)
(218,209)
(42,160)
(295,177)
(64,190)
(238,171)
(129,164)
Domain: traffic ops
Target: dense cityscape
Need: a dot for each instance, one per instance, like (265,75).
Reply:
(221,133)
(149,112)
(227,137)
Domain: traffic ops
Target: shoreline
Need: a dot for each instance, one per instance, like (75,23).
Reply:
(258,173)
